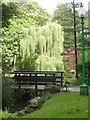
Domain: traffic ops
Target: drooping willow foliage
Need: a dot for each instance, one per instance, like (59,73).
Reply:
(46,43)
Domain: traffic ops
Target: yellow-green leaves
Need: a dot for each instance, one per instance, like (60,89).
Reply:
(47,43)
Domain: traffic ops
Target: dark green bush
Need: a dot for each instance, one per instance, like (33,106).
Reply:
(37,103)
(44,98)
(52,88)
(7,93)
(41,101)
(24,95)
(29,109)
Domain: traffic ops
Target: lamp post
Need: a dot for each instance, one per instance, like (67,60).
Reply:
(83,86)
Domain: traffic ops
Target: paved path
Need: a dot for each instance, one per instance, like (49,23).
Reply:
(73,89)
(76,89)
(41,87)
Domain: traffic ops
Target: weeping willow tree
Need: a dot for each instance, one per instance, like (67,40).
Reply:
(46,43)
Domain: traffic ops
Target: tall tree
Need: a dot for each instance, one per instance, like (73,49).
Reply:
(15,16)
(64,15)
(45,41)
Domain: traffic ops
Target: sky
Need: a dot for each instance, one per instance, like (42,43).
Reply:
(50,5)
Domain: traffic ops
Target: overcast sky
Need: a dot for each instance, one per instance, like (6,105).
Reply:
(50,5)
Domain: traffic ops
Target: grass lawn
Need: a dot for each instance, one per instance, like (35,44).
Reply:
(63,105)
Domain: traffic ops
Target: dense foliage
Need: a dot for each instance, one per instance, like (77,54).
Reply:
(14,17)
(46,43)
(7,94)
(31,41)
(26,12)
(64,14)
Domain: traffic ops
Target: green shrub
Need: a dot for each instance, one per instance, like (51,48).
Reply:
(29,109)
(74,81)
(52,88)
(44,98)
(7,93)
(24,95)
(36,103)
(41,101)
(6,114)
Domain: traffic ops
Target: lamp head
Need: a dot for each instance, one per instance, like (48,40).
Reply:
(82,11)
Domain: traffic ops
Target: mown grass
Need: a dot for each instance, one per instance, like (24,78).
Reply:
(63,105)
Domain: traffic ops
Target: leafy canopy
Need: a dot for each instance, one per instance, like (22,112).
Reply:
(47,43)
(15,16)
